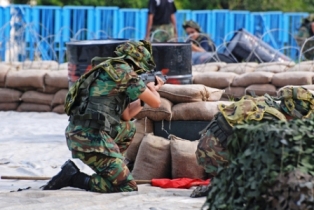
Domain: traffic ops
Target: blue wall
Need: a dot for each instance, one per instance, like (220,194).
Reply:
(46,29)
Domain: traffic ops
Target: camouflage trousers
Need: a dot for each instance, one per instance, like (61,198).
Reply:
(210,154)
(162,33)
(112,175)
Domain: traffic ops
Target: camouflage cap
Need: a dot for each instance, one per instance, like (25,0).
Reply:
(139,53)
(191,24)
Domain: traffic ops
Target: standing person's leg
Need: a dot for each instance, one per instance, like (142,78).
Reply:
(162,33)
(112,175)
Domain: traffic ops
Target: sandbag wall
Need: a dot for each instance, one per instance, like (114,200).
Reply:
(239,79)
(33,86)
(158,157)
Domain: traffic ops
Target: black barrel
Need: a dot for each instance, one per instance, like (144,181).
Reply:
(175,60)
(80,53)
(247,47)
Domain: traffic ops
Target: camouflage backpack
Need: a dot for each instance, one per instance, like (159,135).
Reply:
(86,79)
(297,102)
(250,108)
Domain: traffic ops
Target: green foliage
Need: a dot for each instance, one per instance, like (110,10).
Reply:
(251,5)
(259,153)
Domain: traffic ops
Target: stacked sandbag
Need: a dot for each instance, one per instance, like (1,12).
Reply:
(9,99)
(189,93)
(34,101)
(207,67)
(292,78)
(303,66)
(4,69)
(24,80)
(143,126)
(257,82)
(40,65)
(232,93)
(239,68)
(275,67)
(153,159)
(261,89)
(55,80)
(63,66)
(183,159)
(58,101)
(157,114)
(14,65)
(218,79)
(198,111)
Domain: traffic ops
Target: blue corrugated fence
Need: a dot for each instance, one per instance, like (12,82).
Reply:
(44,30)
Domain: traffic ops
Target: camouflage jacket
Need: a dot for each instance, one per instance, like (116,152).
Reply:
(304,33)
(86,139)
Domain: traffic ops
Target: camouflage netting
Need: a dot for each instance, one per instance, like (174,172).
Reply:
(271,167)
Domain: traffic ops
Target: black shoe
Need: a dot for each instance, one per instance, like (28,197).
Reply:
(63,178)
(201,191)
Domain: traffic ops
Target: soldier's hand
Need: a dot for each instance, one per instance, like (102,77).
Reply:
(160,83)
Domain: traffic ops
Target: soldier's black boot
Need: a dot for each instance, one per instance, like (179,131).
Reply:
(69,176)
(201,191)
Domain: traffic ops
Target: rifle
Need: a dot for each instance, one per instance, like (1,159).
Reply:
(151,77)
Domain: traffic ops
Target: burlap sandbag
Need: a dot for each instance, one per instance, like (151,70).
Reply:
(57,78)
(63,66)
(218,79)
(261,89)
(189,93)
(29,107)
(309,87)
(234,92)
(40,65)
(26,79)
(48,89)
(203,111)
(16,65)
(59,97)
(275,67)
(9,95)
(208,67)
(239,68)
(183,159)
(35,97)
(157,114)
(303,66)
(143,126)
(59,109)
(4,69)
(9,106)
(292,78)
(252,78)
(153,159)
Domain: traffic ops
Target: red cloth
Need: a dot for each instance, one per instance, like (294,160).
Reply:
(184,183)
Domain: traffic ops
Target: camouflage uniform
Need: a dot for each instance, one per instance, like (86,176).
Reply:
(162,33)
(97,148)
(96,134)
(212,151)
(304,33)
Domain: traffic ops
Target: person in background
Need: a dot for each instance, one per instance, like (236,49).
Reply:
(101,105)
(200,42)
(304,33)
(203,47)
(161,23)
